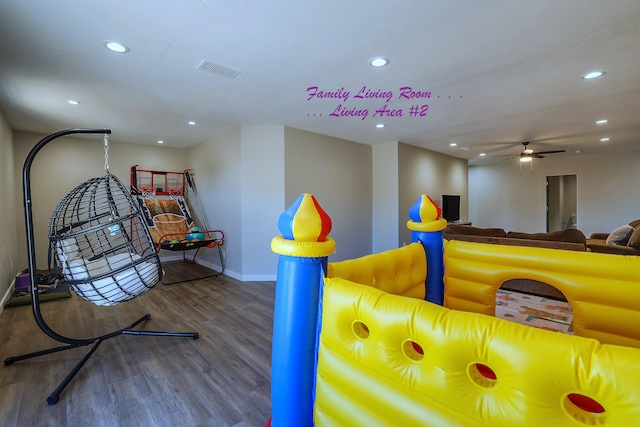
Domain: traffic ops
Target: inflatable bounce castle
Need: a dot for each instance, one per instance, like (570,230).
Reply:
(409,337)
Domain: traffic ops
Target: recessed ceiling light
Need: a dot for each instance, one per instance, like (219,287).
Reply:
(378,62)
(453,144)
(191,122)
(601,122)
(380,125)
(116,46)
(578,151)
(483,154)
(73,102)
(593,75)
(160,142)
(605,139)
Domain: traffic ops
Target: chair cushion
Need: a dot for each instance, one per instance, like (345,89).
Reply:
(67,250)
(620,236)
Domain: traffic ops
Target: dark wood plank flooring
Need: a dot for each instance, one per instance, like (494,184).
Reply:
(220,379)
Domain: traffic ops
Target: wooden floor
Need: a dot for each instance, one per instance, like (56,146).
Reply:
(221,379)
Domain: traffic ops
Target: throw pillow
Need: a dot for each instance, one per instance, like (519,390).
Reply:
(620,236)
(634,240)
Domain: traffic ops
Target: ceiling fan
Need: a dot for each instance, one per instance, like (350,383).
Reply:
(528,154)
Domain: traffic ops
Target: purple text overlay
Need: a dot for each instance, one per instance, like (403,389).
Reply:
(410,102)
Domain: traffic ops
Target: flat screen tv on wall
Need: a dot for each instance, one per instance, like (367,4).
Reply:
(451,207)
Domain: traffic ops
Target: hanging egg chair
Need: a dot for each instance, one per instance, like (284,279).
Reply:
(99,241)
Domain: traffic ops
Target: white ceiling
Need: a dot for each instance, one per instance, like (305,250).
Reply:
(500,72)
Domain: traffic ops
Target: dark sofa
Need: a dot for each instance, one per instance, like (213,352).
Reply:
(571,239)
(624,240)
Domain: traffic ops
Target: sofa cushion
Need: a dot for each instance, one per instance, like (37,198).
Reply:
(474,231)
(571,235)
(634,240)
(599,236)
(620,236)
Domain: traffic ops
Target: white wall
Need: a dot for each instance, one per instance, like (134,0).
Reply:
(9,265)
(251,175)
(501,196)
(217,168)
(240,178)
(423,171)
(385,231)
(263,199)
(338,173)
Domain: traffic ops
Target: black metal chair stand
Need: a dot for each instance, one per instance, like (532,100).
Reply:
(114,258)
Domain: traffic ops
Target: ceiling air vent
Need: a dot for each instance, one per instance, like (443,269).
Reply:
(218,69)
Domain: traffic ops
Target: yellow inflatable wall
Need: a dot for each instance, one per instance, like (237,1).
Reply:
(386,360)
(603,289)
(398,271)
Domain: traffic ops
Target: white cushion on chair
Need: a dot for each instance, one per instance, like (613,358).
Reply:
(115,288)
(67,249)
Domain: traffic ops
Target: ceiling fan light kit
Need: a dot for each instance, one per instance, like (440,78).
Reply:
(527,159)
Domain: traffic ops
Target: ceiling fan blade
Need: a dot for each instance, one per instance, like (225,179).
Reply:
(550,152)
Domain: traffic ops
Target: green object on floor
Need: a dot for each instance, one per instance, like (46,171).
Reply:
(21,298)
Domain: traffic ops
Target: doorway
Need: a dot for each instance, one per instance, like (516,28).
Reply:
(562,202)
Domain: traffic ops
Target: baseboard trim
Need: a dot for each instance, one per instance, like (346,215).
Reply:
(7,294)
(237,276)
(259,278)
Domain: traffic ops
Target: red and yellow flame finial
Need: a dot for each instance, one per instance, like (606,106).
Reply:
(425,215)
(305,227)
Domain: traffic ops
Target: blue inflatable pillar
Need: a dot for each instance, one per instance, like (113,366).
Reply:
(303,249)
(426,227)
